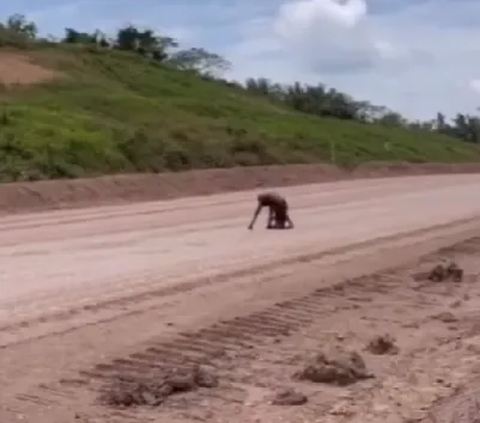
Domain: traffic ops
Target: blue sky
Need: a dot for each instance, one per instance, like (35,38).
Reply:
(416,57)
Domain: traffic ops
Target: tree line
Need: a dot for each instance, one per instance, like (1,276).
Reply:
(317,100)
(320,100)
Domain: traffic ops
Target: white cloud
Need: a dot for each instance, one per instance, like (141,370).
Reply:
(475,85)
(417,58)
(296,18)
(326,35)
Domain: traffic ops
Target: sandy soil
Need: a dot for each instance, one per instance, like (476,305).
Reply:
(92,295)
(18,69)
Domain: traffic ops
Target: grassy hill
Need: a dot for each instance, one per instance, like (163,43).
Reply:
(71,111)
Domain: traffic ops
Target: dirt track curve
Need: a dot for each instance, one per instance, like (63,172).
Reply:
(82,289)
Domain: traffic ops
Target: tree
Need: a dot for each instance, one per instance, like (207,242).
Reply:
(17,32)
(422,126)
(145,42)
(74,37)
(260,86)
(441,124)
(201,61)
(392,119)
(18,24)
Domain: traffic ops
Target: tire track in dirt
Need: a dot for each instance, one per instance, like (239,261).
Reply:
(242,333)
(131,304)
(219,345)
(189,349)
(230,345)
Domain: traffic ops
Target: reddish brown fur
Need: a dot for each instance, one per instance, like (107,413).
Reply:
(278,215)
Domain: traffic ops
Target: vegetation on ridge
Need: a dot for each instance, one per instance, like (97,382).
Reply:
(138,102)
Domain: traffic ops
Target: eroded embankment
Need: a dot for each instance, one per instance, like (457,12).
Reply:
(56,194)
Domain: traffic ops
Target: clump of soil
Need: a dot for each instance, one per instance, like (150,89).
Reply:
(289,396)
(383,344)
(335,367)
(445,317)
(441,273)
(464,407)
(129,392)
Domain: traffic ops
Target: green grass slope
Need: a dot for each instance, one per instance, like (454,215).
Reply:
(115,112)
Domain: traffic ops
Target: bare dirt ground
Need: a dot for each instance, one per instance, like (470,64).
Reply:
(18,69)
(92,299)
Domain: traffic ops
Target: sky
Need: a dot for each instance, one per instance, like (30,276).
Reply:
(417,57)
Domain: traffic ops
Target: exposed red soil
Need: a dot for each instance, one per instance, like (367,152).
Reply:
(117,189)
(18,69)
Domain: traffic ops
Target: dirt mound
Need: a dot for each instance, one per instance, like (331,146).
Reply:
(121,189)
(441,273)
(445,317)
(289,396)
(382,344)
(19,69)
(118,189)
(336,367)
(129,392)
(60,194)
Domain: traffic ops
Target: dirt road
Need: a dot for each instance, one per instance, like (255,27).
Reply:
(83,287)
